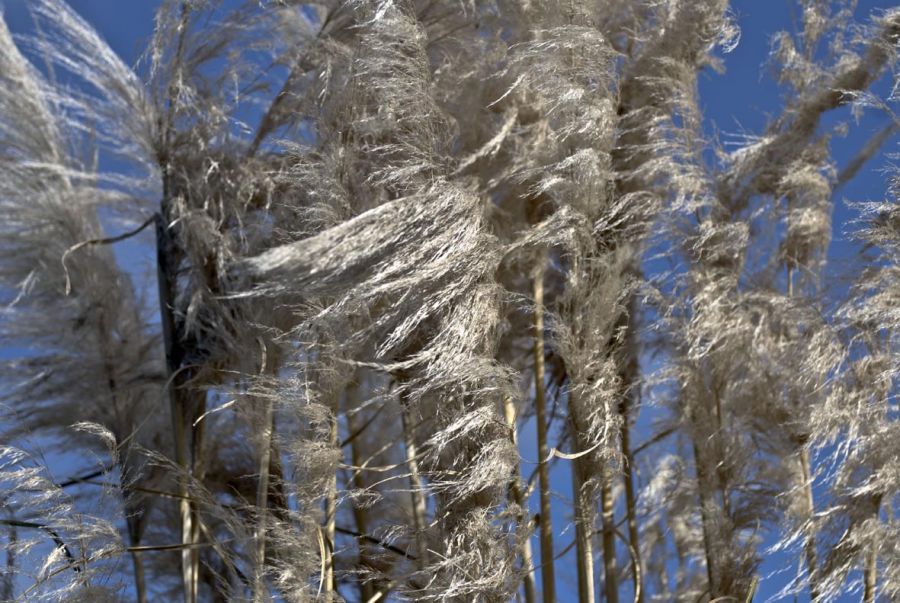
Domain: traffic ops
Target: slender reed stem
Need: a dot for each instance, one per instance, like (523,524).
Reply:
(262,502)
(630,498)
(140,581)
(515,492)
(706,520)
(808,512)
(360,515)
(166,281)
(870,572)
(610,574)
(548,579)
(584,530)
(329,586)
(871,576)
(806,485)
(415,487)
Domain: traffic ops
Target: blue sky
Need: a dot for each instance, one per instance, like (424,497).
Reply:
(742,100)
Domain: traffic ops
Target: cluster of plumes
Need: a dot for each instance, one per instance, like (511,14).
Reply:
(861,424)
(566,75)
(67,551)
(100,345)
(80,327)
(757,378)
(414,256)
(363,212)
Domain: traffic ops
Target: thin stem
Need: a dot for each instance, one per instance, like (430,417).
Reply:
(636,568)
(630,499)
(166,282)
(100,241)
(871,575)
(134,521)
(546,527)
(807,488)
(167,266)
(329,586)
(515,491)
(809,511)
(706,521)
(610,573)
(415,485)
(870,572)
(54,535)
(140,582)
(262,502)
(583,504)
(584,529)
(366,589)
(7,587)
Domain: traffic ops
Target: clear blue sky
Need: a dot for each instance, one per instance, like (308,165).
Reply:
(740,101)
